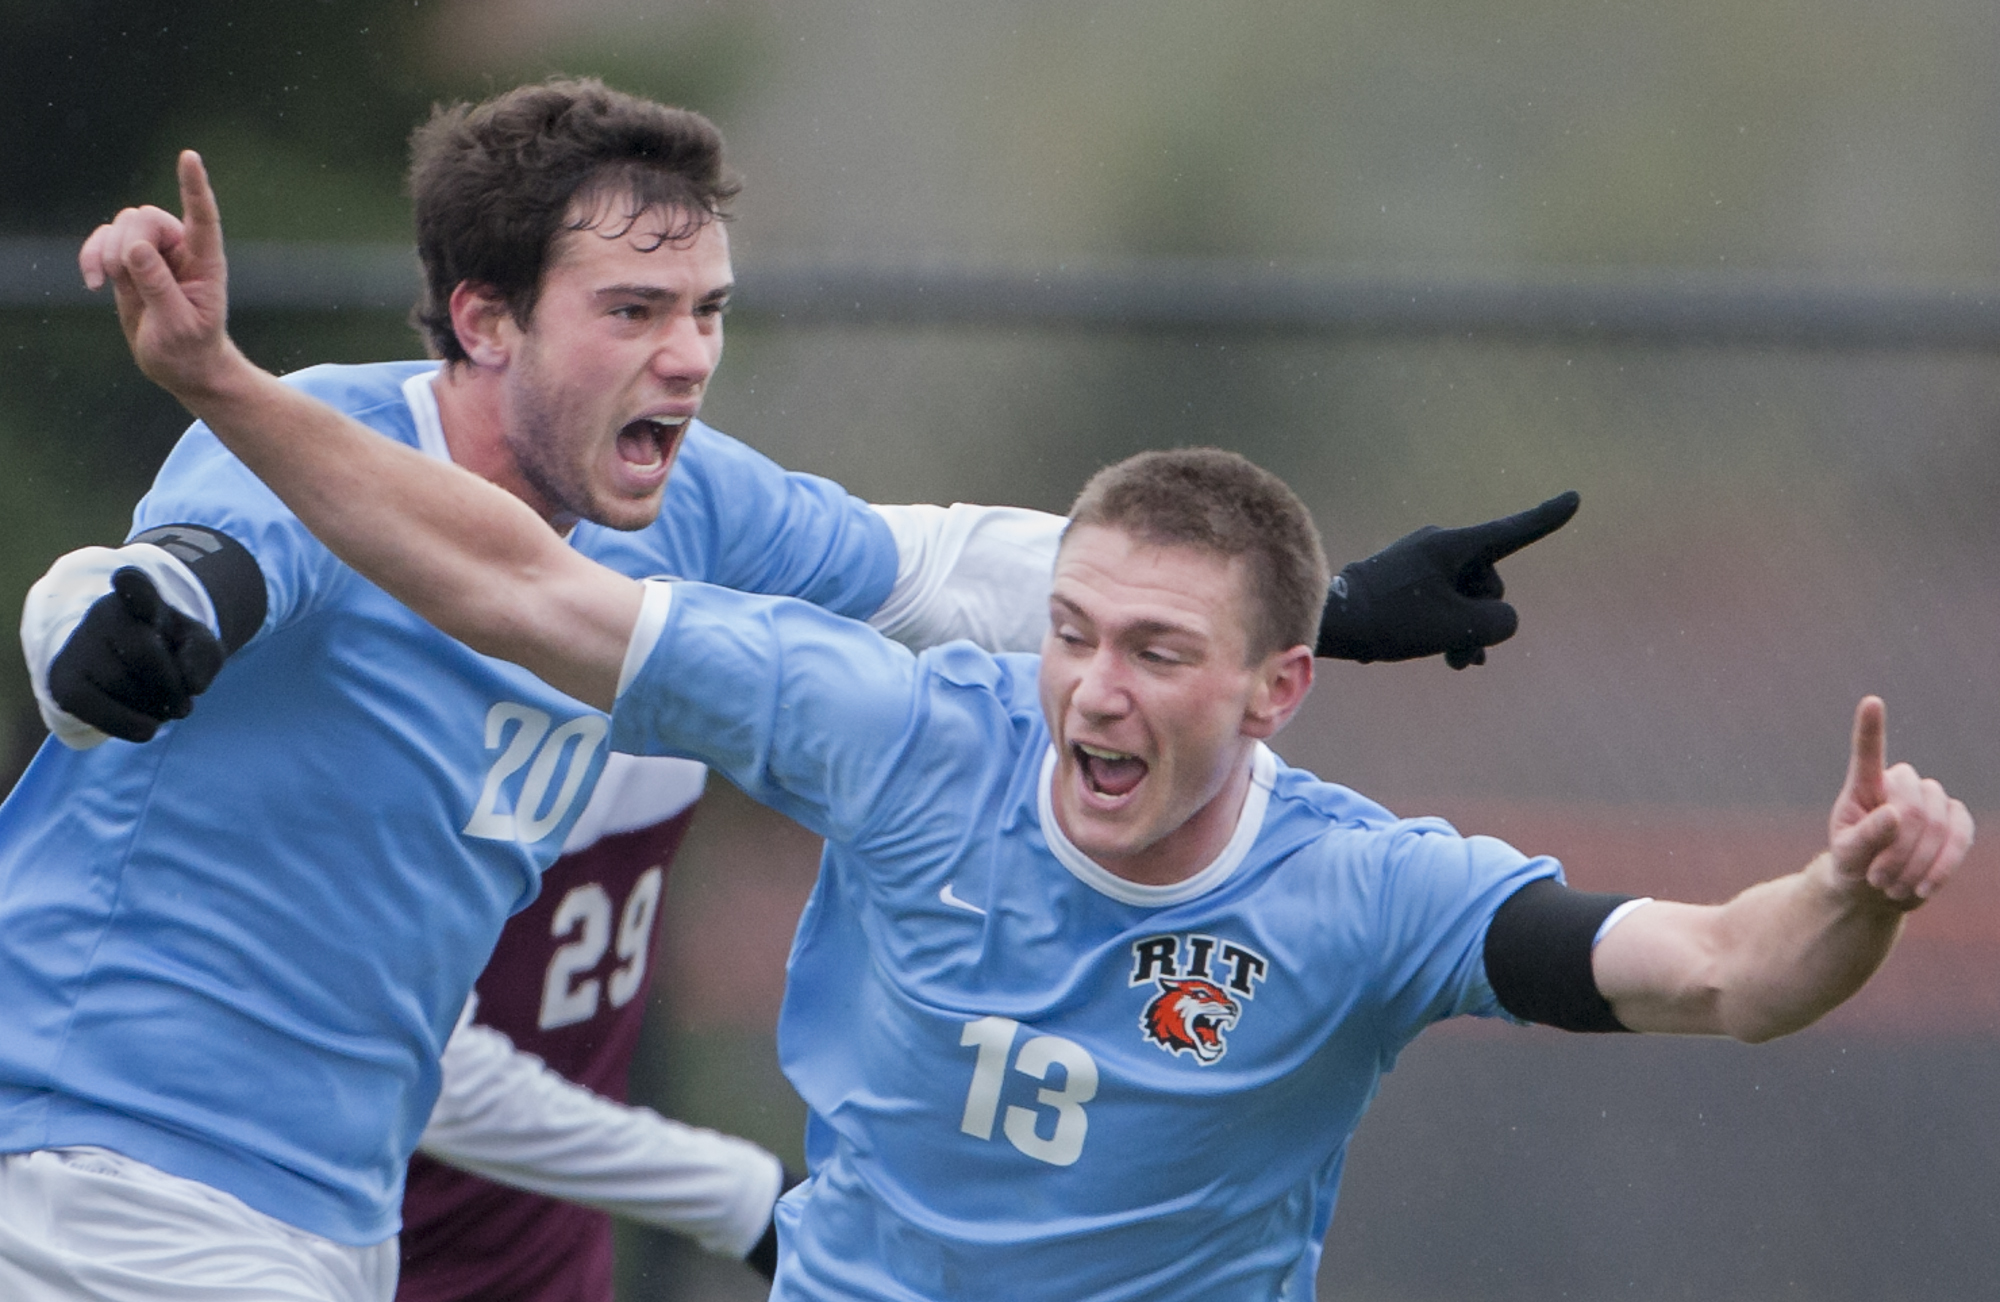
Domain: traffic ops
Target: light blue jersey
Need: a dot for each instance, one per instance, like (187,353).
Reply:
(1029,1078)
(236,951)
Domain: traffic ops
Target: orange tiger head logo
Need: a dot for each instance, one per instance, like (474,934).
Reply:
(1190,1016)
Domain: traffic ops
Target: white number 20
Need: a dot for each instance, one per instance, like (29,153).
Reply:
(586,913)
(994,1037)
(530,821)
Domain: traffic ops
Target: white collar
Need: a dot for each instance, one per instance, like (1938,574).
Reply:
(1263,772)
(422,398)
(423,402)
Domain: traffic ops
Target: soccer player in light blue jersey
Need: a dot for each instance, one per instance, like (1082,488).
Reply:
(1093,989)
(240,931)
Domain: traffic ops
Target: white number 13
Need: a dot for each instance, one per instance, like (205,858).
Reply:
(994,1037)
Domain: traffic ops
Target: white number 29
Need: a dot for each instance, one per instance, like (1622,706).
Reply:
(994,1037)
(586,913)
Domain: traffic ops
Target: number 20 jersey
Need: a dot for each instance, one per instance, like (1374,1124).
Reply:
(1029,1078)
(236,951)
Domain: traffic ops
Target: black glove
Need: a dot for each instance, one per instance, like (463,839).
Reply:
(1433,592)
(764,1257)
(133,662)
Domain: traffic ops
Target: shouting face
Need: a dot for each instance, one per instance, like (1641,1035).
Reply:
(1153,702)
(599,386)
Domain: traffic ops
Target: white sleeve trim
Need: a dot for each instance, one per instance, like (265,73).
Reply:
(635,791)
(654,605)
(57,602)
(1616,916)
(980,573)
(503,1114)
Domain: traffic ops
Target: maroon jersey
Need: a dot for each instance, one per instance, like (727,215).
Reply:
(567,983)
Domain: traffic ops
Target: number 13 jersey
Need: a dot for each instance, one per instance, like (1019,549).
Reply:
(1029,1078)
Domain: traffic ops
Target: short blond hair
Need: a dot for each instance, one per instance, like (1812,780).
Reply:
(1221,503)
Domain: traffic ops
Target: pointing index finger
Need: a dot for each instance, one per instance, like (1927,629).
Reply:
(1497,539)
(136,591)
(199,212)
(1866,762)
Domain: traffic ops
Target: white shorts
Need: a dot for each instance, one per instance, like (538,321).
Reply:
(88,1223)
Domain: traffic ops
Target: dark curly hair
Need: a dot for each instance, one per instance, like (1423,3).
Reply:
(496,183)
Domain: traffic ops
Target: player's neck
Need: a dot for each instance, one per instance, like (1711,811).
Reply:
(1196,843)
(474,421)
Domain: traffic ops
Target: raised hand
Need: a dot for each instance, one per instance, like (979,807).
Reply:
(1895,831)
(1434,592)
(170,280)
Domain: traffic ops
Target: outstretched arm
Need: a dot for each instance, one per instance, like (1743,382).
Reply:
(1434,592)
(1784,953)
(466,555)
(503,1114)
(982,573)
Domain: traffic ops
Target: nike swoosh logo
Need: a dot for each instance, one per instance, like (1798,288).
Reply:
(950,897)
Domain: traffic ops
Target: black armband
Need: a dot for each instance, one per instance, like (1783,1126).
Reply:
(1538,956)
(226,569)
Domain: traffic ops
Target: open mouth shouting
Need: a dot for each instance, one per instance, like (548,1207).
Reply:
(647,445)
(1110,773)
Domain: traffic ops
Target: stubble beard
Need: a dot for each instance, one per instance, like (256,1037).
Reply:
(544,458)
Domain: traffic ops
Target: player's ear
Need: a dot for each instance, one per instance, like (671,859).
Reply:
(1282,683)
(480,318)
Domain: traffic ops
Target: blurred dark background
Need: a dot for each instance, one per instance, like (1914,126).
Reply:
(1767,531)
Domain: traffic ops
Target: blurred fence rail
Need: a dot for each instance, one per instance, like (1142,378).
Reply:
(1612,305)
(42,272)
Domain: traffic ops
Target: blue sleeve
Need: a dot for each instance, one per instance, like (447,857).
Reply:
(1439,891)
(737,519)
(806,712)
(203,483)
